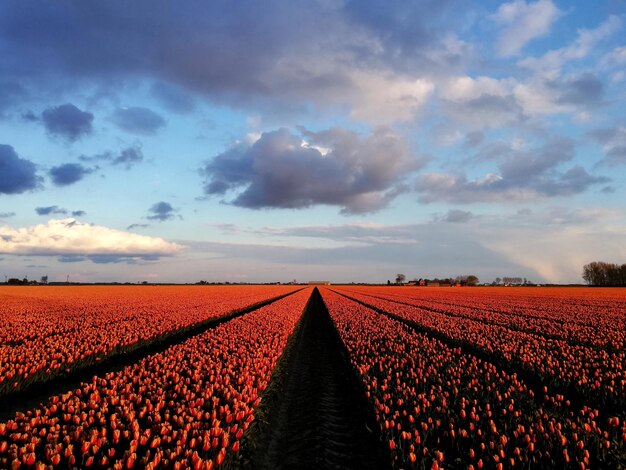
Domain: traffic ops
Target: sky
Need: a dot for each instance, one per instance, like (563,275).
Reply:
(341,140)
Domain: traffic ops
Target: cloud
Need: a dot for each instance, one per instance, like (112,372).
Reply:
(68,173)
(354,234)
(10,92)
(587,39)
(50,210)
(6,215)
(138,120)
(584,90)
(524,175)
(285,169)
(134,226)
(510,244)
(613,142)
(71,238)
(521,22)
(16,174)
(161,211)
(129,157)
(56,210)
(173,98)
(455,216)
(482,102)
(372,54)
(67,121)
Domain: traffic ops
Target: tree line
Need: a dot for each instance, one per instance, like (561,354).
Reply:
(600,273)
(465,280)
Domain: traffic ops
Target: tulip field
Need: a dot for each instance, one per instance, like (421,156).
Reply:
(48,331)
(426,377)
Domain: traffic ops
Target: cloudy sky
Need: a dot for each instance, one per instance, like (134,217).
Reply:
(348,140)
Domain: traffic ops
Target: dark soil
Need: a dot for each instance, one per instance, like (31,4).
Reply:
(314,413)
(38,392)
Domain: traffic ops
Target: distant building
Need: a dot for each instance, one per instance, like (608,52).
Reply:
(319,283)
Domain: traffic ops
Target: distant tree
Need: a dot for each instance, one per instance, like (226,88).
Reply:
(465,280)
(600,273)
(388,282)
(498,280)
(400,278)
(44,279)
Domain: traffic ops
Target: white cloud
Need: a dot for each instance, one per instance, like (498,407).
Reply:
(551,62)
(386,99)
(467,88)
(522,22)
(69,237)
(616,57)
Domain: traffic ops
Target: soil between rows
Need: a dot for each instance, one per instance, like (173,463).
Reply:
(39,392)
(314,414)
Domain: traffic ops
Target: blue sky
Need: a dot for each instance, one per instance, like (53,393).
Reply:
(334,139)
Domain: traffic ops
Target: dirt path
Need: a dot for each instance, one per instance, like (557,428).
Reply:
(317,416)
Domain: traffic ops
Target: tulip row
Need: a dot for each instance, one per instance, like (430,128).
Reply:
(438,407)
(588,321)
(186,407)
(46,330)
(598,376)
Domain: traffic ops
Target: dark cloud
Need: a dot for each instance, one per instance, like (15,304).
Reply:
(10,92)
(456,216)
(6,215)
(16,174)
(116,259)
(67,121)
(523,175)
(233,53)
(173,98)
(522,166)
(486,111)
(473,139)
(613,140)
(105,156)
(128,157)
(584,90)
(406,30)
(616,155)
(71,259)
(48,210)
(30,116)
(68,173)
(294,170)
(133,226)
(56,210)
(138,120)
(161,211)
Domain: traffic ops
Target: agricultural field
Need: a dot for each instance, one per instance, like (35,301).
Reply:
(301,377)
